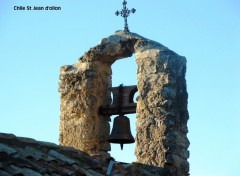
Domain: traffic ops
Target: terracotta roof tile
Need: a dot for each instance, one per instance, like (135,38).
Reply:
(3,173)
(27,157)
(6,149)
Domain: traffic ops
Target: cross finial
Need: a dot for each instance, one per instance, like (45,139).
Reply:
(125,13)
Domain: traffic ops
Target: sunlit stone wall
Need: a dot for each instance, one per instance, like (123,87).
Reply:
(162,110)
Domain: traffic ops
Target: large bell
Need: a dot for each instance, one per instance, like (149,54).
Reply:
(121,133)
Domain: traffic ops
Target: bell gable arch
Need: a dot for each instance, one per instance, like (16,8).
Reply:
(162,114)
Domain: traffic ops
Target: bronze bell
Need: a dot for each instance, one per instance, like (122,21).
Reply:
(121,133)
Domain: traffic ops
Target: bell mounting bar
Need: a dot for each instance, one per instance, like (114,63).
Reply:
(122,102)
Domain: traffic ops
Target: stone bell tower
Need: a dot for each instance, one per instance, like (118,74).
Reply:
(162,114)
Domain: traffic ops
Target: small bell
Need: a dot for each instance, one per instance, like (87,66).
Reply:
(121,132)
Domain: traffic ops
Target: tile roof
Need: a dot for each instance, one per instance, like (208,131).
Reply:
(27,157)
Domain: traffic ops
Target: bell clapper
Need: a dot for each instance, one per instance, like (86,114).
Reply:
(121,144)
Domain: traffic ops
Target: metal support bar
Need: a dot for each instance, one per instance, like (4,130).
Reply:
(123,102)
(130,109)
(109,169)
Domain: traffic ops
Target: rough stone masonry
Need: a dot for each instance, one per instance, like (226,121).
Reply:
(162,114)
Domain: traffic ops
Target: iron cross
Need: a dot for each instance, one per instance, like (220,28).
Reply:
(125,13)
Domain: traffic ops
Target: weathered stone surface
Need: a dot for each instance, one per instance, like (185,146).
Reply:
(138,169)
(163,105)
(162,114)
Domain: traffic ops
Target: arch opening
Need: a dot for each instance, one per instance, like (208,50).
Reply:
(124,72)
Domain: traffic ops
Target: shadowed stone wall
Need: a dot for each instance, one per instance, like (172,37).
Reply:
(162,114)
